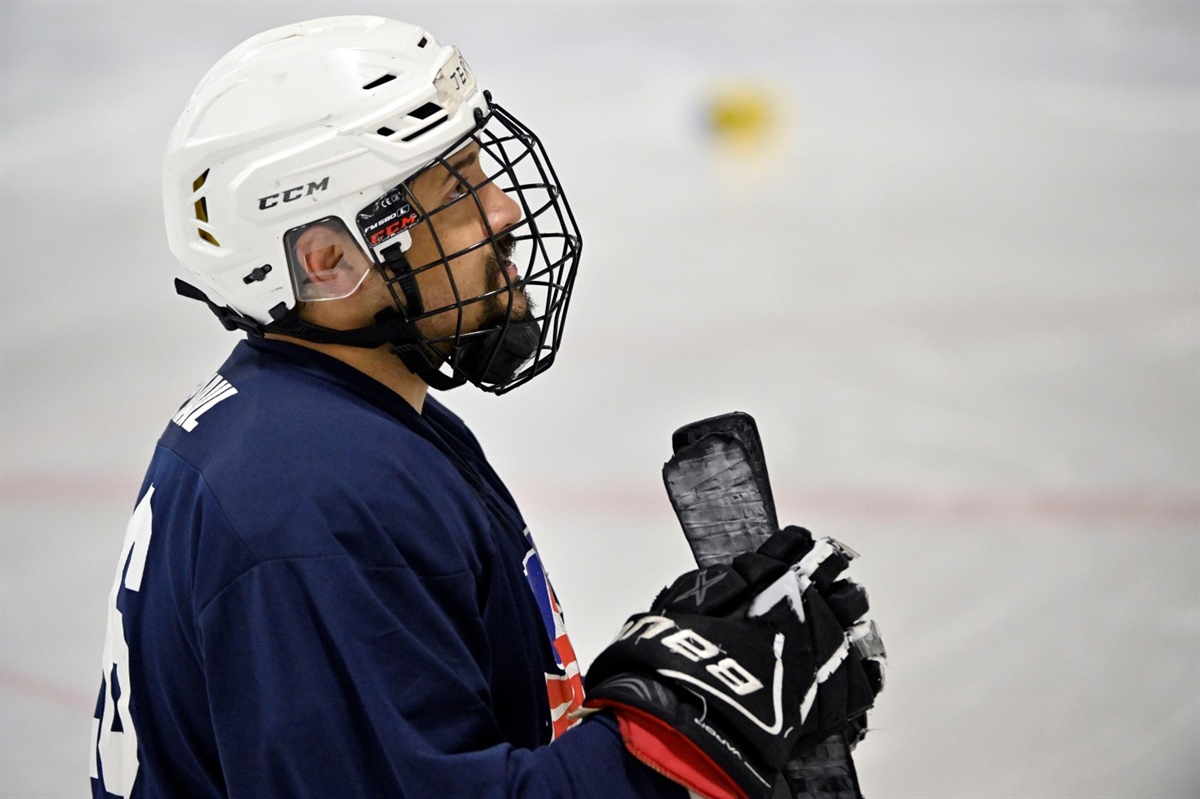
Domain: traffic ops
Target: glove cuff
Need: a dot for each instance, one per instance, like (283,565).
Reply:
(671,753)
(670,733)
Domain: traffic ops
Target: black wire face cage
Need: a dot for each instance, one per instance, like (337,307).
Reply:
(487,279)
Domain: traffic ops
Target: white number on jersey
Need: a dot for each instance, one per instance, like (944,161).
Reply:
(117,749)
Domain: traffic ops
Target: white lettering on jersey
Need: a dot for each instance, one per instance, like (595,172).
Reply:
(216,389)
(117,749)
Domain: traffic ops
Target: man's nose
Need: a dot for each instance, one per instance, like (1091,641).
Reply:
(502,210)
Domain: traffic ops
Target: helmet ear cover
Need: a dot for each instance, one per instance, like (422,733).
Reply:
(324,260)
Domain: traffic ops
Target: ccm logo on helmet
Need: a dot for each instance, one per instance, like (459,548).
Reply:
(291,195)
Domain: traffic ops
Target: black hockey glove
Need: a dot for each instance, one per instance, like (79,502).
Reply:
(734,664)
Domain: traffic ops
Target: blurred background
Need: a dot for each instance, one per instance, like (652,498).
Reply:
(946,253)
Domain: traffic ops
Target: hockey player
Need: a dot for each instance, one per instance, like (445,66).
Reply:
(325,590)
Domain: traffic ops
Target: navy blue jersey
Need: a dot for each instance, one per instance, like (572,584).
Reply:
(323,593)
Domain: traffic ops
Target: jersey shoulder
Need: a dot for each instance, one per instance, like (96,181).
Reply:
(306,457)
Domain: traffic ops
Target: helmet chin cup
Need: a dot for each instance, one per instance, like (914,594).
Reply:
(494,356)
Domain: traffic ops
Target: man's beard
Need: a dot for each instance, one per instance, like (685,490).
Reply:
(504,291)
(509,334)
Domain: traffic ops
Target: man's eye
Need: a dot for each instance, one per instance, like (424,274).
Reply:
(460,189)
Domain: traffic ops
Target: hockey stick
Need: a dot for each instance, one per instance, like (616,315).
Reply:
(718,484)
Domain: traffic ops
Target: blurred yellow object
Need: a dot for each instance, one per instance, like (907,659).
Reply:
(747,124)
(740,111)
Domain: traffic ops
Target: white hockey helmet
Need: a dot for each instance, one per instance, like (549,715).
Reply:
(324,121)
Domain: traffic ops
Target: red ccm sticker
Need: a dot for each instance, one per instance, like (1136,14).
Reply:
(387,217)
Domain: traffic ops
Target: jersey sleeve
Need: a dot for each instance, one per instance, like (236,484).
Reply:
(318,688)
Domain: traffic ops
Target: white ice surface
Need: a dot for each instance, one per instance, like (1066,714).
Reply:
(961,296)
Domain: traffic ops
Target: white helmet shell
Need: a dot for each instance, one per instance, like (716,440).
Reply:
(304,122)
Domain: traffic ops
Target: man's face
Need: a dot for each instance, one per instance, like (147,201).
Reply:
(457,220)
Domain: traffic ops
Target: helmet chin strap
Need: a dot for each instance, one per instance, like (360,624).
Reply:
(410,346)
(490,355)
(390,327)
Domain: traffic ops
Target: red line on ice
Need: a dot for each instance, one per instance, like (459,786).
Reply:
(1141,504)
(49,691)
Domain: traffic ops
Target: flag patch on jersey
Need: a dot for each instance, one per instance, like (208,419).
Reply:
(202,400)
(564,686)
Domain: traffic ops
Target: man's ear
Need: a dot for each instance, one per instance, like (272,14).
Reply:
(328,259)
(320,253)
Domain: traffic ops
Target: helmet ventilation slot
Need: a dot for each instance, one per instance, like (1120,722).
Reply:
(425,111)
(405,124)
(379,81)
(201,207)
(425,129)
